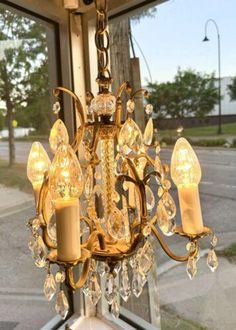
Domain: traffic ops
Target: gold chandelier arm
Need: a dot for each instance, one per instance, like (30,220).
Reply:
(141,91)
(148,176)
(96,235)
(167,249)
(81,113)
(83,276)
(124,87)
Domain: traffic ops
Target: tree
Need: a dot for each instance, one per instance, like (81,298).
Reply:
(190,94)
(232,89)
(23,59)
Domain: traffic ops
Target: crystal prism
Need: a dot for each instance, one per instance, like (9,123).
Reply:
(39,252)
(118,225)
(110,288)
(88,182)
(62,306)
(130,139)
(145,258)
(31,242)
(49,287)
(212,260)
(150,199)
(56,107)
(94,290)
(214,241)
(191,268)
(103,268)
(137,283)
(125,289)
(148,133)
(115,307)
(58,135)
(36,224)
(130,106)
(60,277)
(149,109)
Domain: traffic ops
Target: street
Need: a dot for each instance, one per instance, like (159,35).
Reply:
(22,283)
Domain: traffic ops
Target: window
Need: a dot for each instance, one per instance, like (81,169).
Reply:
(30,67)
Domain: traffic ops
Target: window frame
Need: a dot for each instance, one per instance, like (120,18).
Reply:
(62,76)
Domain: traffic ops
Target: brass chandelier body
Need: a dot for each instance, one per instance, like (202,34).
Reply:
(125,170)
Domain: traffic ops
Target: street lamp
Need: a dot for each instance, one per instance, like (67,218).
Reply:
(219,67)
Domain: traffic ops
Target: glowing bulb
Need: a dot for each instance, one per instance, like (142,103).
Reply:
(66,186)
(58,135)
(38,164)
(185,167)
(186,174)
(65,179)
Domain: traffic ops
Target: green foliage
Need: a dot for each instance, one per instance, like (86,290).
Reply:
(150,12)
(190,94)
(232,89)
(24,81)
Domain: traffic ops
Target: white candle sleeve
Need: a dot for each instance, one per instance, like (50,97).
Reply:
(190,209)
(68,231)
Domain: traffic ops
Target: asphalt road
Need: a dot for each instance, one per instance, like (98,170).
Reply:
(21,283)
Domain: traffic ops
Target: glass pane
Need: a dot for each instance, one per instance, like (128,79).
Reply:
(181,72)
(25,116)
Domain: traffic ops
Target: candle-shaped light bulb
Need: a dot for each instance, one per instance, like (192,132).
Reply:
(38,163)
(58,135)
(186,174)
(66,186)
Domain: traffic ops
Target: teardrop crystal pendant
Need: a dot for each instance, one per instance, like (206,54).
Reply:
(39,252)
(169,205)
(150,199)
(110,288)
(62,306)
(130,139)
(125,289)
(94,290)
(191,268)
(49,287)
(166,224)
(118,225)
(212,260)
(58,135)
(148,133)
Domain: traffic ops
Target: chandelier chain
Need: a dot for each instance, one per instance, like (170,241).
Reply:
(102,43)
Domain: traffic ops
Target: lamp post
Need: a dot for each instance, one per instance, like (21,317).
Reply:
(219,67)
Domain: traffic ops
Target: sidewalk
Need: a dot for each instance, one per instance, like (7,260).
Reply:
(12,199)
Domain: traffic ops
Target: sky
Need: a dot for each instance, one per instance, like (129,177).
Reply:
(174,38)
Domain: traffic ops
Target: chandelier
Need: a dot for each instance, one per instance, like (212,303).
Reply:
(102,214)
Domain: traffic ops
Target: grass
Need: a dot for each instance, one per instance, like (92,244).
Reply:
(170,321)
(14,176)
(229,253)
(205,131)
